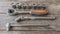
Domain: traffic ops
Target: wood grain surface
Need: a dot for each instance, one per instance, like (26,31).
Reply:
(53,8)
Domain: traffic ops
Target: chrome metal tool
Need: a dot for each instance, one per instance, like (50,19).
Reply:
(9,25)
(34,18)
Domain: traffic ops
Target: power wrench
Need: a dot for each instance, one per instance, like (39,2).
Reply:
(34,18)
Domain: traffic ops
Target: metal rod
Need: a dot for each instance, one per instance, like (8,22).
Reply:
(29,25)
(34,30)
(34,18)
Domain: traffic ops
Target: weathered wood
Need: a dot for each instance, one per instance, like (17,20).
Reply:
(53,9)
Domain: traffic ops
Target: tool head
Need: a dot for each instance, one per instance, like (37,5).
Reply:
(10,10)
(7,26)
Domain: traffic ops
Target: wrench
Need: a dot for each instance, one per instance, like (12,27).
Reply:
(34,18)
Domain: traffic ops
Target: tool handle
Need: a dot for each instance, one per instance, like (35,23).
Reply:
(39,18)
(29,25)
(35,18)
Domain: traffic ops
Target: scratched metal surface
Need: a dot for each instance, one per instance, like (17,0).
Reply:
(5,18)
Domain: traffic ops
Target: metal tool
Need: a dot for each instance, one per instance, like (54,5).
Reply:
(12,12)
(9,25)
(28,5)
(35,9)
(34,18)
(32,12)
